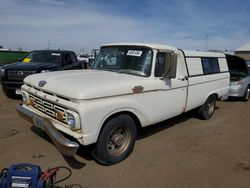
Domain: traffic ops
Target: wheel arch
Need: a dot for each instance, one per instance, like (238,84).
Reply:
(206,110)
(216,95)
(117,113)
(210,94)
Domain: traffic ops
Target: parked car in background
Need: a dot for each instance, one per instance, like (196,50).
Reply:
(239,77)
(87,60)
(84,60)
(38,61)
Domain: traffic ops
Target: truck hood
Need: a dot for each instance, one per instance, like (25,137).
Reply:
(32,66)
(86,84)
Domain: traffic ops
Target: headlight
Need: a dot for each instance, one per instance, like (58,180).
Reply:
(42,71)
(236,83)
(71,121)
(25,98)
(2,72)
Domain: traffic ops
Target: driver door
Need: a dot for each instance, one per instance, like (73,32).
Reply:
(171,93)
(67,61)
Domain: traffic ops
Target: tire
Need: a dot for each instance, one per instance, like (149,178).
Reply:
(9,93)
(247,94)
(116,140)
(207,109)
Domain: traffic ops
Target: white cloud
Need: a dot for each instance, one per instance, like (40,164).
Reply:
(52,2)
(32,25)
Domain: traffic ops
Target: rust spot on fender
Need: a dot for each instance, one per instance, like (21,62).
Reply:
(138,89)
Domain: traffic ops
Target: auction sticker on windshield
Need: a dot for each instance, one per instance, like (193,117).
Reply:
(136,53)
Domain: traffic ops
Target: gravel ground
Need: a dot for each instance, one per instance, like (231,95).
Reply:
(181,152)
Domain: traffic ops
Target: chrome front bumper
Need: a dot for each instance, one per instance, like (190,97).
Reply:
(64,145)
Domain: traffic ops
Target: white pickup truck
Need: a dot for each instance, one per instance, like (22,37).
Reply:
(130,85)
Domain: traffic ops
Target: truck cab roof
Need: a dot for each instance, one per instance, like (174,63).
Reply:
(149,45)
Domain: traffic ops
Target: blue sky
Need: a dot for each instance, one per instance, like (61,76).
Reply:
(78,24)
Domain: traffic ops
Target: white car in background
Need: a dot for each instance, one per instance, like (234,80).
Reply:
(83,58)
(239,77)
(248,65)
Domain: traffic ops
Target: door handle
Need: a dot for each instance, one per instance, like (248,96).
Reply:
(181,79)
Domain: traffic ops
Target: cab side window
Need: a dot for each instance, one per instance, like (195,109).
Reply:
(73,57)
(162,64)
(67,59)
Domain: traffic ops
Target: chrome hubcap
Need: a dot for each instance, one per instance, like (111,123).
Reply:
(117,139)
(210,107)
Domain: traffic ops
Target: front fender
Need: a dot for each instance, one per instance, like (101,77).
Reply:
(139,115)
(95,113)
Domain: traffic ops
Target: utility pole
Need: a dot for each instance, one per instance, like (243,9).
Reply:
(49,44)
(206,42)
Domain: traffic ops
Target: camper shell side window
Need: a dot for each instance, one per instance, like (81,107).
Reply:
(210,65)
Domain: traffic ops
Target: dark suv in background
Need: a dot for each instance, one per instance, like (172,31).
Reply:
(37,61)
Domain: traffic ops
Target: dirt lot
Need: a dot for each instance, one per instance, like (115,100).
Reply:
(181,152)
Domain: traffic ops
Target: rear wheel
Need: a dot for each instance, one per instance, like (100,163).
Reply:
(207,109)
(247,94)
(116,140)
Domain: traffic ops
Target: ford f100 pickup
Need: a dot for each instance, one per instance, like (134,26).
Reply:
(130,85)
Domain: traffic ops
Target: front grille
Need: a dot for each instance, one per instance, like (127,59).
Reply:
(49,93)
(18,75)
(48,108)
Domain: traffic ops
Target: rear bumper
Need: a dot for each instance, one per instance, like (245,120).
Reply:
(64,145)
(236,91)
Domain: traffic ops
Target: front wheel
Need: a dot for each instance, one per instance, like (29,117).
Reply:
(116,140)
(10,93)
(207,109)
(247,94)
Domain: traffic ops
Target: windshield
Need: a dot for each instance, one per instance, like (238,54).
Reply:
(125,59)
(44,56)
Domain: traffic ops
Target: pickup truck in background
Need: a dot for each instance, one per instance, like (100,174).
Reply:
(130,85)
(37,61)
